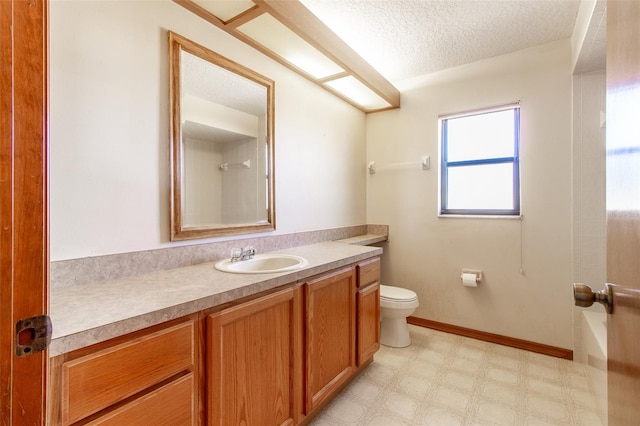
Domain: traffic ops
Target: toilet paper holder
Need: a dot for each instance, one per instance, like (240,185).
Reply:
(476,272)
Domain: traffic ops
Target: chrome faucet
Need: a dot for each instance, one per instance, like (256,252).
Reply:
(244,253)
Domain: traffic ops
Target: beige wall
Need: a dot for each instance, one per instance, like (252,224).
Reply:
(109,131)
(527,264)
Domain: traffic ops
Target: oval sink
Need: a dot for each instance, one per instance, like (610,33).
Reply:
(263,264)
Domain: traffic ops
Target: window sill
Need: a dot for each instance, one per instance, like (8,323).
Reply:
(479,216)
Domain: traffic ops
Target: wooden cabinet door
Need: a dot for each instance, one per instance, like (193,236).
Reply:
(368,329)
(330,334)
(254,362)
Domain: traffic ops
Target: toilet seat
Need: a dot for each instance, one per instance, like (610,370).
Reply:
(397,294)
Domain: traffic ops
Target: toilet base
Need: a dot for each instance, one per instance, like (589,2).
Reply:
(394,332)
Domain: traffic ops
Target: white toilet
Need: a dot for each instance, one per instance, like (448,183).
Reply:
(396,304)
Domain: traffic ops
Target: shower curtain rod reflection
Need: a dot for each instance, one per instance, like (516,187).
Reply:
(225,166)
(424,162)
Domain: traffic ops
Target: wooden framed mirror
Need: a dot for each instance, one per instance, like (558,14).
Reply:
(222,145)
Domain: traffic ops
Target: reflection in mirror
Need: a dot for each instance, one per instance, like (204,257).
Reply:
(222,144)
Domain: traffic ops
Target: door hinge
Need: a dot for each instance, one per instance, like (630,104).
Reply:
(33,335)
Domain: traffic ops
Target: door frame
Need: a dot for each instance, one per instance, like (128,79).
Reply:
(24,227)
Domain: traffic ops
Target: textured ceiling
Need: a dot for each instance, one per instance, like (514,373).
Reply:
(403,39)
(215,84)
(220,86)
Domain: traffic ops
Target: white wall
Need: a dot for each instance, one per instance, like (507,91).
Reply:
(202,180)
(426,253)
(242,186)
(109,169)
(589,194)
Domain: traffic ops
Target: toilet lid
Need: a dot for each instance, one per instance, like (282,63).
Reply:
(396,293)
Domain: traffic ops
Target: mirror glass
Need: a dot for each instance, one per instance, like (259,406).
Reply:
(222,144)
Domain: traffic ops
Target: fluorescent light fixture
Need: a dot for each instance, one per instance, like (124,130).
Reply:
(353,89)
(275,36)
(225,9)
(289,33)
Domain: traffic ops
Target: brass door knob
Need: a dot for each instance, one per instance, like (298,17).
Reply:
(584,296)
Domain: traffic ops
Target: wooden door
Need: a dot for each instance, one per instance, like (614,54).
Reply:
(254,362)
(623,210)
(23,203)
(330,334)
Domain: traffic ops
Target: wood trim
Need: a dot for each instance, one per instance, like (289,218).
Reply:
(6,220)
(201,12)
(176,44)
(333,77)
(244,17)
(24,256)
(493,338)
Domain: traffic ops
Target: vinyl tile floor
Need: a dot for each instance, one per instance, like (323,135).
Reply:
(444,379)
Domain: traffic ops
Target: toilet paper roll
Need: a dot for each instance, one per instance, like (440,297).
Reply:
(469,280)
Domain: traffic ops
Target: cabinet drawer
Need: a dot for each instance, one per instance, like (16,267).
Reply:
(171,405)
(368,272)
(98,380)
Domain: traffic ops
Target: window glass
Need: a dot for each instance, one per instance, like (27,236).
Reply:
(480,163)
(481,136)
(481,187)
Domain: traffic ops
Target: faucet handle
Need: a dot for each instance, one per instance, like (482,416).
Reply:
(248,252)
(236,253)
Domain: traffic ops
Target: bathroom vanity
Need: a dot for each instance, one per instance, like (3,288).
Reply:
(259,349)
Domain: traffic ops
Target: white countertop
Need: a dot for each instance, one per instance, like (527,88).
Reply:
(92,313)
